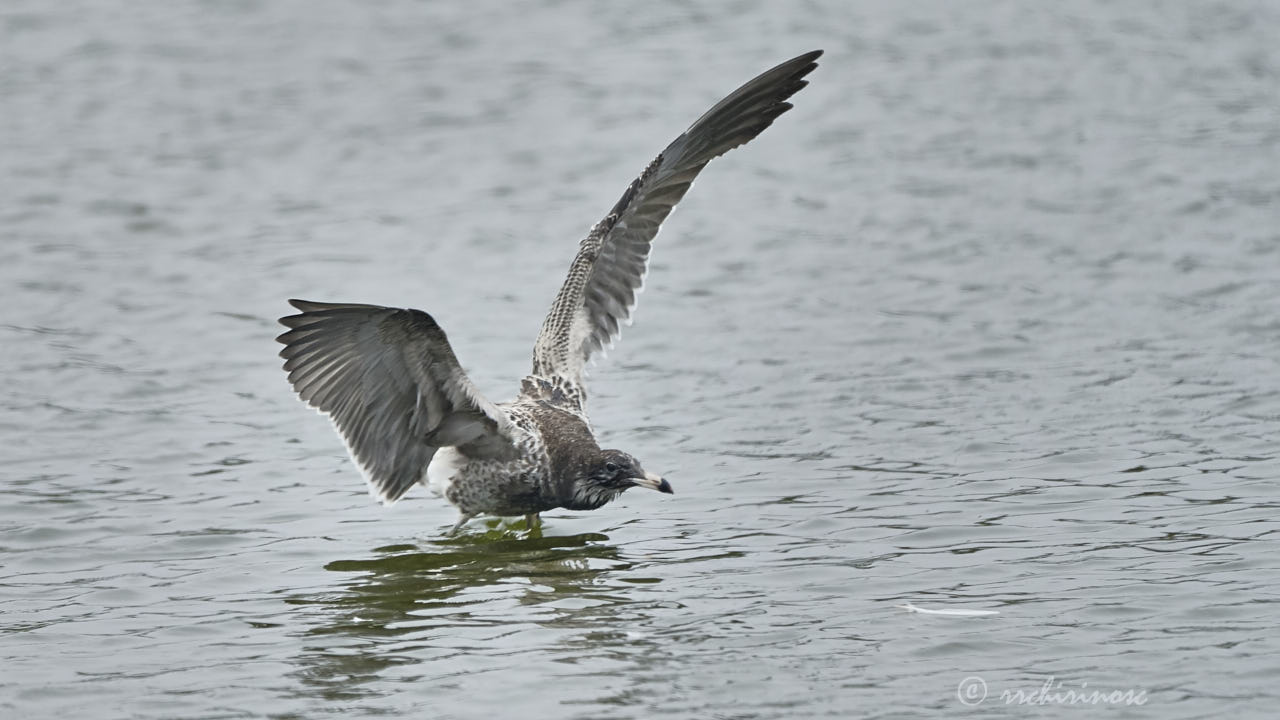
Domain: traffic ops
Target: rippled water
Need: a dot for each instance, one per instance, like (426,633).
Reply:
(989,321)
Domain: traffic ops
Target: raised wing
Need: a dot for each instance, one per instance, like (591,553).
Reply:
(600,292)
(392,386)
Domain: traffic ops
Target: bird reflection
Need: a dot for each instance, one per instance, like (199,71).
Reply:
(413,603)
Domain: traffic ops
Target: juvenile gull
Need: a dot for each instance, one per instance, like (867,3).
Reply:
(397,395)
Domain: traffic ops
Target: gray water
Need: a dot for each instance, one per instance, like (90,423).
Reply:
(989,321)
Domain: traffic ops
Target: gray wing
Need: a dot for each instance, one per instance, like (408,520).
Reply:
(600,292)
(392,386)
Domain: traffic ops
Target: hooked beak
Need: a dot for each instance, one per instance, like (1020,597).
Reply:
(653,482)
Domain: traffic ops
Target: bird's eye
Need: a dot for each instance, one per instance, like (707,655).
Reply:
(611,467)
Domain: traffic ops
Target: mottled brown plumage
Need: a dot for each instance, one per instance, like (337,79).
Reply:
(393,388)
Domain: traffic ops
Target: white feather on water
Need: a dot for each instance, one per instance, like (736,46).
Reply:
(954,612)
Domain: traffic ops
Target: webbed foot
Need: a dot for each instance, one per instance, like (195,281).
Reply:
(462,520)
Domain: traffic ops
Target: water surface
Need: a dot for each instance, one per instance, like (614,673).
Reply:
(988,321)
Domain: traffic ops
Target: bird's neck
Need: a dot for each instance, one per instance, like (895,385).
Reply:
(581,496)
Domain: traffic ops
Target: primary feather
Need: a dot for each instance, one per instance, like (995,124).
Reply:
(599,294)
(393,388)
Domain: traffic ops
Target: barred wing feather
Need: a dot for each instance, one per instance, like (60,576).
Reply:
(599,294)
(392,386)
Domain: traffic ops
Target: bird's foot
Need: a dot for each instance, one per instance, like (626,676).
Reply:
(462,520)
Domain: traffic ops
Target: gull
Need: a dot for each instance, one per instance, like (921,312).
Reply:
(397,395)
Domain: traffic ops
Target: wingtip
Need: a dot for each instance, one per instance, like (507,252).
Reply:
(317,306)
(808,61)
(292,321)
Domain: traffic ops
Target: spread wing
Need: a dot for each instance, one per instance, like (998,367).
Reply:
(600,292)
(392,386)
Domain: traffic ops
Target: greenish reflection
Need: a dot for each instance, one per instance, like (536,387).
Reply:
(397,602)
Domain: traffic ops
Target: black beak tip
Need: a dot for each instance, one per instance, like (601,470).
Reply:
(665,487)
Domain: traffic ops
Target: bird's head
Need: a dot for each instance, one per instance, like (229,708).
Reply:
(609,473)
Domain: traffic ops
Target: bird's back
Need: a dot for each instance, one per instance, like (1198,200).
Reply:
(557,444)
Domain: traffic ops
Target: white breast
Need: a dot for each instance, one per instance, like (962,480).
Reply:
(442,469)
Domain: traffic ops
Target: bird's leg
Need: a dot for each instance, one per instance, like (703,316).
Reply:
(532,521)
(462,520)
